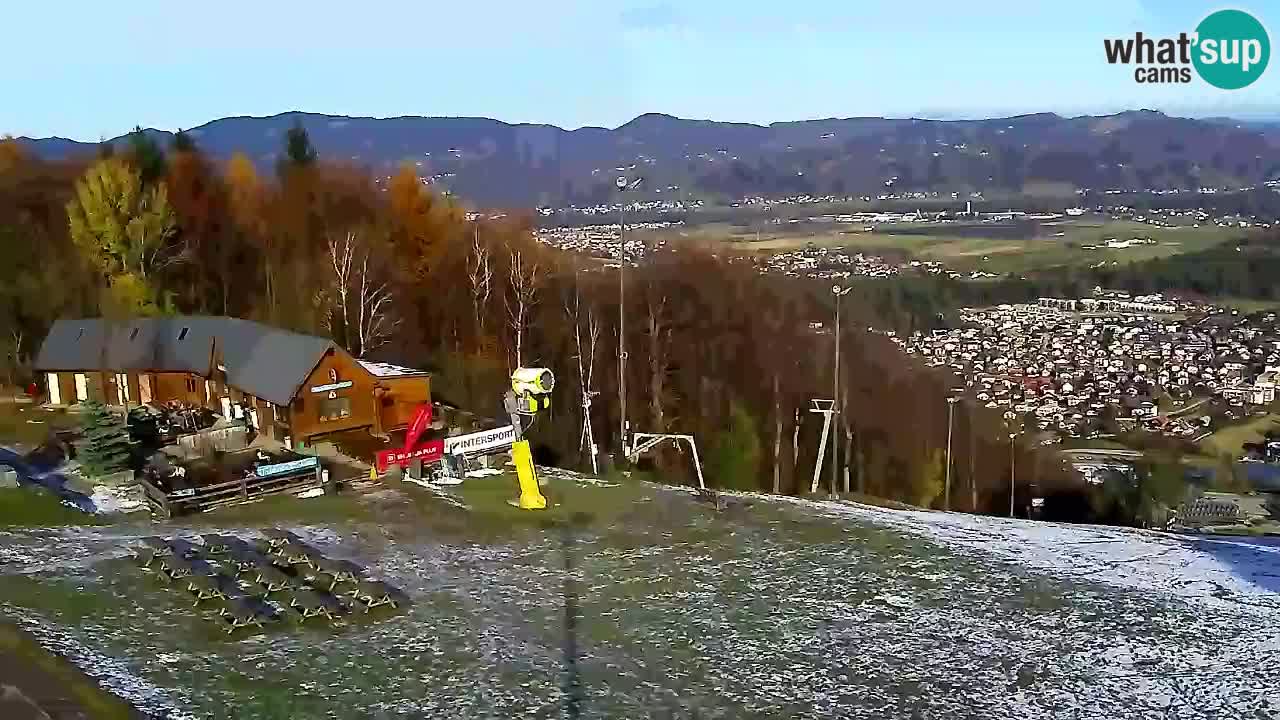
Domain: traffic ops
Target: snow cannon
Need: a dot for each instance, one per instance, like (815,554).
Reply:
(530,392)
(533,387)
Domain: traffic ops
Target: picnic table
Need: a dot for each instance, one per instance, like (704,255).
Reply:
(208,587)
(240,612)
(215,544)
(338,571)
(271,578)
(177,567)
(277,537)
(310,603)
(374,593)
(245,558)
(297,553)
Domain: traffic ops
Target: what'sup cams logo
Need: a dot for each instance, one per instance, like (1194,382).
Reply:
(1229,50)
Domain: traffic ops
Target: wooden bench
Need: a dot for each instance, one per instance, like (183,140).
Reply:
(373,593)
(298,554)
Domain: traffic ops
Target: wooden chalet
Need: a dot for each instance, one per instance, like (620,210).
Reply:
(291,387)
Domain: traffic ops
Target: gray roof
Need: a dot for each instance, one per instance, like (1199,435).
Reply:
(261,360)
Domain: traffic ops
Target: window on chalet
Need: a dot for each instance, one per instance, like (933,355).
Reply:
(191,384)
(334,409)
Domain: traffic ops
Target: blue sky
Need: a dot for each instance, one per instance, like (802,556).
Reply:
(88,69)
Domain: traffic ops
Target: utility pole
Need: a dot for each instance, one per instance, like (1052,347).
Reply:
(1010,417)
(839,292)
(1011,473)
(622,316)
(946,492)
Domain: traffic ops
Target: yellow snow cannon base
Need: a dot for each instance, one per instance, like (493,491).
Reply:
(530,496)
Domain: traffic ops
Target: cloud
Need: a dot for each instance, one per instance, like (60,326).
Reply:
(650,17)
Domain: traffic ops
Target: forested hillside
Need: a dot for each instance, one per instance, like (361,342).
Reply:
(716,349)
(492,163)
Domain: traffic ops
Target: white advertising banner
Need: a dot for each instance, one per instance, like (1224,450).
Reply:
(479,441)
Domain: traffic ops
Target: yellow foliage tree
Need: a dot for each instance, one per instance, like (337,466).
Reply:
(119,225)
(421,222)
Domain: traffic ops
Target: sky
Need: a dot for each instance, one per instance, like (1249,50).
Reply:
(89,70)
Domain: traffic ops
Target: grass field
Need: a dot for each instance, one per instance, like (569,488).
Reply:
(47,682)
(29,425)
(966,252)
(1229,439)
(771,608)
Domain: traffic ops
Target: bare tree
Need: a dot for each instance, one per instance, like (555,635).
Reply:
(795,446)
(355,270)
(525,278)
(480,273)
(374,324)
(586,367)
(658,331)
(341,253)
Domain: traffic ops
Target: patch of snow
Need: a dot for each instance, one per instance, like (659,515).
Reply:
(381,369)
(1209,569)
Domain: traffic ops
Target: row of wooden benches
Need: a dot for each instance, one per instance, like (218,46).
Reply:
(257,576)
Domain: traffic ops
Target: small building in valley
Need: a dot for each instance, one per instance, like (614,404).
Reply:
(291,387)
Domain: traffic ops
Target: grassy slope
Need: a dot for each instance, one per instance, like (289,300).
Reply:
(51,681)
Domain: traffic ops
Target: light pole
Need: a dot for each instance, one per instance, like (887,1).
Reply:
(946,492)
(623,186)
(1009,417)
(839,292)
(1012,460)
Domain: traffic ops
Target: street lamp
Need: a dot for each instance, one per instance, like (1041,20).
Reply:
(839,292)
(1009,417)
(623,185)
(951,408)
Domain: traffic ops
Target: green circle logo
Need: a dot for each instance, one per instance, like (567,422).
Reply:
(1232,49)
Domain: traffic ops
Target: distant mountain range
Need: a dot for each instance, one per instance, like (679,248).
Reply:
(496,164)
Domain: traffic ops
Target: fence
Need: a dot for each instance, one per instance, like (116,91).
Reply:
(291,477)
(227,439)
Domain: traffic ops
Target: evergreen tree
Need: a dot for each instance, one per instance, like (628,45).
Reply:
(930,479)
(105,447)
(183,143)
(146,155)
(298,150)
(735,458)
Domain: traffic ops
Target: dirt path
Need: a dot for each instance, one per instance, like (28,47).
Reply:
(38,685)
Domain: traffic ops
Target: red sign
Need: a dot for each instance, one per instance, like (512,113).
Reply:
(427,452)
(421,419)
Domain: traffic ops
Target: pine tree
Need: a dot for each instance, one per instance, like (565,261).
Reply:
(298,150)
(105,447)
(735,458)
(183,143)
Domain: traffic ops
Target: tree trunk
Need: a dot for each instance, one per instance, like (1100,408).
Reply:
(848,454)
(777,438)
(795,448)
(973,475)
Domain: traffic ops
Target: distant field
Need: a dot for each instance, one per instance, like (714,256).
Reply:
(1230,438)
(999,253)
